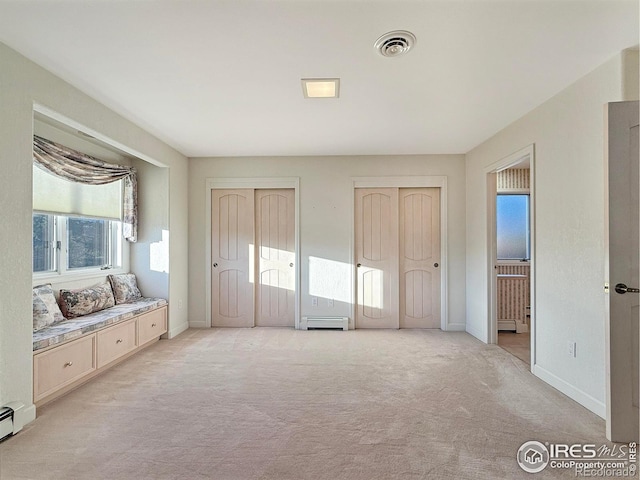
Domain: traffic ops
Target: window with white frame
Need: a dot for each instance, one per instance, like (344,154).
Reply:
(64,244)
(513,232)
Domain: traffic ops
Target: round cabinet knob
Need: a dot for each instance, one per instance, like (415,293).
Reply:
(436,265)
(153,325)
(119,340)
(291,264)
(68,364)
(359,265)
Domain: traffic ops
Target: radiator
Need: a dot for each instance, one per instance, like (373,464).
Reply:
(513,295)
(324,322)
(10,424)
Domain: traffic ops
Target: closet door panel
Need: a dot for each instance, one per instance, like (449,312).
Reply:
(419,257)
(275,258)
(232,232)
(376,220)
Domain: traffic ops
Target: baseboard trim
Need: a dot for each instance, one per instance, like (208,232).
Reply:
(584,399)
(174,332)
(199,324)
(475,333)
(28,414)
(456,327)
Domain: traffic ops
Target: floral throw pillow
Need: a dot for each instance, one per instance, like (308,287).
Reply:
(76,303)
(125,287)
(45,308)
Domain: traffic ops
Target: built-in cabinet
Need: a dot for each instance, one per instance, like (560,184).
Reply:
(60,368)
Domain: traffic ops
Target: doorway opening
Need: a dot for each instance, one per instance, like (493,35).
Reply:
(511,254)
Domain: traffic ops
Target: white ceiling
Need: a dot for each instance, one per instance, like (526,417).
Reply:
(222,78)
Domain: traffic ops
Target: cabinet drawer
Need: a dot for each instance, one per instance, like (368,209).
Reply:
(115,342)
(63,365)
(151,325)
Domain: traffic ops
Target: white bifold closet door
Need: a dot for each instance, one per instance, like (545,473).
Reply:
(397,257)
(252,254)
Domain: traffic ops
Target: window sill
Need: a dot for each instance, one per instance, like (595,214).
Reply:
(513,262)
(49,277)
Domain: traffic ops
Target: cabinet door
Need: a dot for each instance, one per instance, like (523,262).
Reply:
(115,342)
(151,325)
(63,365)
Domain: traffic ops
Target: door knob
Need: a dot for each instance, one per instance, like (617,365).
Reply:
(359,265)
(621,288)
(291,264)
(215,265)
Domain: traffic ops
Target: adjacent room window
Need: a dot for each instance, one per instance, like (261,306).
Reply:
(512,215)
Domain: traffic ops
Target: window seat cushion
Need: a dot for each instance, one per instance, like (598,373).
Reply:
(76,327)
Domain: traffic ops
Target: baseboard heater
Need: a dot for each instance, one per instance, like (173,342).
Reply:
(9,422)
(308,323)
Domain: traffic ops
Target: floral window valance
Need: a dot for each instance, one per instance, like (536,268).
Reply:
(78,167)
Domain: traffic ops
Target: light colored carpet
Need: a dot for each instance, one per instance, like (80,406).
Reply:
(242,404)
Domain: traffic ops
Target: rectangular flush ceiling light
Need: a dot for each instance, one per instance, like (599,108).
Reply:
(321,87)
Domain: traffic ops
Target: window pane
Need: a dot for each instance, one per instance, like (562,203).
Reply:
(43,243)
(87,243)
(512,214)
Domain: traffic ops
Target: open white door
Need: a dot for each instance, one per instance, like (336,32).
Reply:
(622,243)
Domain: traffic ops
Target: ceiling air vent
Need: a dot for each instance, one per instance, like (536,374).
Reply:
(396,43)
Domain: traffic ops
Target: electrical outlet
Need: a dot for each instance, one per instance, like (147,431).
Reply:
(314,301)
(330,302)
(571,350)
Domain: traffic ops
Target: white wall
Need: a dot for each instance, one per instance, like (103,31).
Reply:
(149,255)
(23,83)
(568,133)
(326,198)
